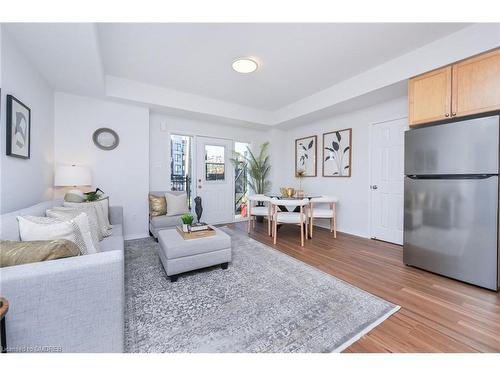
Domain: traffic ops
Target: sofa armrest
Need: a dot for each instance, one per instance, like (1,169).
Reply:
(116,215)
(70,305)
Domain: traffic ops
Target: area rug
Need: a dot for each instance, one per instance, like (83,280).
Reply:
(265,301)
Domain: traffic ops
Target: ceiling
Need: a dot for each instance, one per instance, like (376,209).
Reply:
(296,60)
(307,70)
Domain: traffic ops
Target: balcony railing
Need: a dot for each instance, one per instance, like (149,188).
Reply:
(181,183)
(240,188)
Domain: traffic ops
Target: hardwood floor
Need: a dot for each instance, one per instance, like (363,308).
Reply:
(437,314)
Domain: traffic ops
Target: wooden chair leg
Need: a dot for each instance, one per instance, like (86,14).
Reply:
(268,225)
(311,227)
(275,231)
(249,223)
(253,222)
(301,235)
(334,220)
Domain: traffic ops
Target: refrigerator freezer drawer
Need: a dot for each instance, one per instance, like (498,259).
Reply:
(450,228)
(465,147)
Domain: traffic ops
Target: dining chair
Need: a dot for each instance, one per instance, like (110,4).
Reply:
(318,211)
(254,211)
(282,217)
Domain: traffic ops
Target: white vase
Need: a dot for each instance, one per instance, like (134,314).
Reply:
(185,228)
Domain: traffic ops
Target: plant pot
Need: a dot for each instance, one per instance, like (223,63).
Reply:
(185,228)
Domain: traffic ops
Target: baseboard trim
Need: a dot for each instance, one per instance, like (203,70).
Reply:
(135,236)
(367,329)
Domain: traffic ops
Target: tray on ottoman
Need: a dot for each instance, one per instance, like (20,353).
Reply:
(194,235)
(179,255)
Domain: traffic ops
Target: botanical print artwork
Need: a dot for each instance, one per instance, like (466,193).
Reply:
(337,153)
(18,128)
(305,156)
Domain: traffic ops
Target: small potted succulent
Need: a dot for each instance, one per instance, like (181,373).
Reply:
(187,220)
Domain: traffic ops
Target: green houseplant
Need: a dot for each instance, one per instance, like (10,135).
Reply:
(258,167)
(187,220)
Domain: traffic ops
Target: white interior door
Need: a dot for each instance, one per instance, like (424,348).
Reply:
(215,179)
(387,180)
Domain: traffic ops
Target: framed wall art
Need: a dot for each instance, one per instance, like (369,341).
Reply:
(305,156)
(337,153)
(18,128)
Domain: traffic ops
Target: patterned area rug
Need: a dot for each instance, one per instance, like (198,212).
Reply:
(265,301)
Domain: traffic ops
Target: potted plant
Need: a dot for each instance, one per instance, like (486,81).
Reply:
(187,220)
(258,168)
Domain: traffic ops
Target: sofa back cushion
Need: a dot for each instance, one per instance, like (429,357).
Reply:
(9,227)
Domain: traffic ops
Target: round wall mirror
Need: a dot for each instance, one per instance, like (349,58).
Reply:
(106,139)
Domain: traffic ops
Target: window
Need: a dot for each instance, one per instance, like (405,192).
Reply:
(214,163)
(181,164)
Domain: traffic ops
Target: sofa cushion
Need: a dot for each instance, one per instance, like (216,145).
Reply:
(112,243)
(34,228)
(117,230)
(14,253)
(164,221)
(174,246)
(157,205)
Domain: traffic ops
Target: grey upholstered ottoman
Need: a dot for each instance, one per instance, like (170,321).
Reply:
(179,255)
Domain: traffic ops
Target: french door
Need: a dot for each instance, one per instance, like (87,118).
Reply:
(387,180)
(215,179)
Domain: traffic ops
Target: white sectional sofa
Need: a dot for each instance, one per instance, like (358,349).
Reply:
(70,305)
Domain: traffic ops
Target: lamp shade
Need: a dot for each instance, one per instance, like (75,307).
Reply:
(72,175)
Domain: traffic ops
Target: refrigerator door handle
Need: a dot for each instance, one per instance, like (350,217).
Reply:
(451,177)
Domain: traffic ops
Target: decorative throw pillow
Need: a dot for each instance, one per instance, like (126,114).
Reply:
(74,197)
(177,204)
(13,253)
(104,227)
(157,205)
(33,228)
(69,213)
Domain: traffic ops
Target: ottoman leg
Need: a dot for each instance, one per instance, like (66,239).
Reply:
(173,278)
(224,265)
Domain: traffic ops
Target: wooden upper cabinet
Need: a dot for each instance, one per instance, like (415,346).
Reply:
(429,96)
(476,85)
(469,87)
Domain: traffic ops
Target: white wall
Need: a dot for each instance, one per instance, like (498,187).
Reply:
(159,152)
(25,182)
(353,193)
(122,173)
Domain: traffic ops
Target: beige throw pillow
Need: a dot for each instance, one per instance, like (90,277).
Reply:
(34,228)
(68,213)
(13,253)
(176,204)
(157,205)
(104,226)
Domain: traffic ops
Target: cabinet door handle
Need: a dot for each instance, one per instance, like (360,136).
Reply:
(454,114)
(447,115)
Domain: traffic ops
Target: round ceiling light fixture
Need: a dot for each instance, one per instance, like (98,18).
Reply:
(245,65)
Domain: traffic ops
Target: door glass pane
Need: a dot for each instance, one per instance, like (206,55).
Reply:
(214,163)
(181,164)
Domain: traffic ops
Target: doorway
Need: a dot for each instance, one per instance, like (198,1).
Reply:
(387,180)
(215,179)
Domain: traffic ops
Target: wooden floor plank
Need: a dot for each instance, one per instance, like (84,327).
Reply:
(437,314)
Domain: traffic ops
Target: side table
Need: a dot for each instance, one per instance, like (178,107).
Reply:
(4,307)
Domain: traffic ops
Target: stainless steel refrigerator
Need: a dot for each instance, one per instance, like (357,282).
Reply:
(451,197)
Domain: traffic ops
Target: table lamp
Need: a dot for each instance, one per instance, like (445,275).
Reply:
(72,175)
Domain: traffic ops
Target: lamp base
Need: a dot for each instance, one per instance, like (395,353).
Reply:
(74,195)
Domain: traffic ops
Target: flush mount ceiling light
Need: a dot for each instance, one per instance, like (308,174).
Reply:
(245,65)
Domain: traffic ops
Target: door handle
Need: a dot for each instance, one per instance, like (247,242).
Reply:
(199,186)
(373,187)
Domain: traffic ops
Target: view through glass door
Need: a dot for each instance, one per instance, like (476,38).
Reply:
(240,183)
(181,164)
